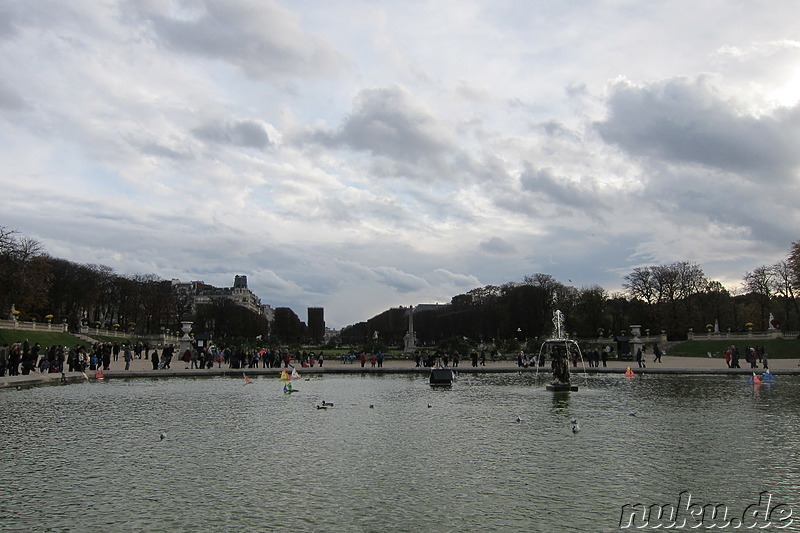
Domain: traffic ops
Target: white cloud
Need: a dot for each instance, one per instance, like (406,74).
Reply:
(360,155)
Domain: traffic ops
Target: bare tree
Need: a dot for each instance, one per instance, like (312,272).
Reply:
(759,283)
(783,286)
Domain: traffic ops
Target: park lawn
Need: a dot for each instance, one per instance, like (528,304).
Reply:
(775,348)
(44,338)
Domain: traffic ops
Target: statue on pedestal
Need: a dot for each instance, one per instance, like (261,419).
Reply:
(409,340)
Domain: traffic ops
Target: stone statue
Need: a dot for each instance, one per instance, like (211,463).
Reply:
(409,340)
(560,365)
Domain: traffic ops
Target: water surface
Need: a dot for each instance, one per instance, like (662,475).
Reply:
(250,458)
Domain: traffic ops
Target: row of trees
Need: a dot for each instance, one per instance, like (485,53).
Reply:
(41,286)
(674,298)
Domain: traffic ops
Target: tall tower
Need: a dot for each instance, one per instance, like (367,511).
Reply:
(316,324)
(240,282)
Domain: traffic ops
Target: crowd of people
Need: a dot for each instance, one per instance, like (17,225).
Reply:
(26,358)
(753,355)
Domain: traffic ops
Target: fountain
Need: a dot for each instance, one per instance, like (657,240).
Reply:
(559,349)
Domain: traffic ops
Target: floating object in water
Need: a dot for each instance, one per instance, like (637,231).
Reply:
(163,436)
(288,389)
(630,372)
(322,407)
(246,379)
(576,427)
(371,406)
(767,376)
(442,376)
(429,406)
(755,379)
(632,413)
(518,420)
(573,421)
(327,404)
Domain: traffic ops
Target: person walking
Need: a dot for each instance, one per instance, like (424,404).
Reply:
(656,353)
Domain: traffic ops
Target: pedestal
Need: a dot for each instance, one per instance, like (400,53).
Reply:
(185,342)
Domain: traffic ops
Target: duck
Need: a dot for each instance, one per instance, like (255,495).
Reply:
(327,404)
(576,427)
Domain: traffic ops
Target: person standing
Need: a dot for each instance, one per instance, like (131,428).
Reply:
(3,359)
(128,356)
(734,356)
(639,358)
(154,359)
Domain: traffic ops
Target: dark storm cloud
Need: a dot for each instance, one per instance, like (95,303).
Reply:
(386,122)
(680,121)
(262,38)
(246,133)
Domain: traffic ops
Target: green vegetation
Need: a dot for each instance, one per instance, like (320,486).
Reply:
(44,338)
(775,348)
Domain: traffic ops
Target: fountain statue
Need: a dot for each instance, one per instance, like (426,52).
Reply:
(560,349)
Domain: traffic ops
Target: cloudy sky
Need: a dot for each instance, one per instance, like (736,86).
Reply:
(360,155)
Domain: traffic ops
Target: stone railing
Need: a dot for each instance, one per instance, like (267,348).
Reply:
(33,326)
(742,335)
(160,338)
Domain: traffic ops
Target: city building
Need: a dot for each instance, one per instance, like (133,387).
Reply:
(316,324)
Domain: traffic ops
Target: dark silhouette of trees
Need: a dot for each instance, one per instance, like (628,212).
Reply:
(673,297)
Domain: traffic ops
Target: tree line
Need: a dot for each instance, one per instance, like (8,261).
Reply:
(674,298)
(42,287)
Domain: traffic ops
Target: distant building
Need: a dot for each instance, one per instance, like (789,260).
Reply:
(196,293)
(429,307)
(316,324)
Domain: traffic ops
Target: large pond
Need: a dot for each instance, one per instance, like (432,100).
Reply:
(89,457)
